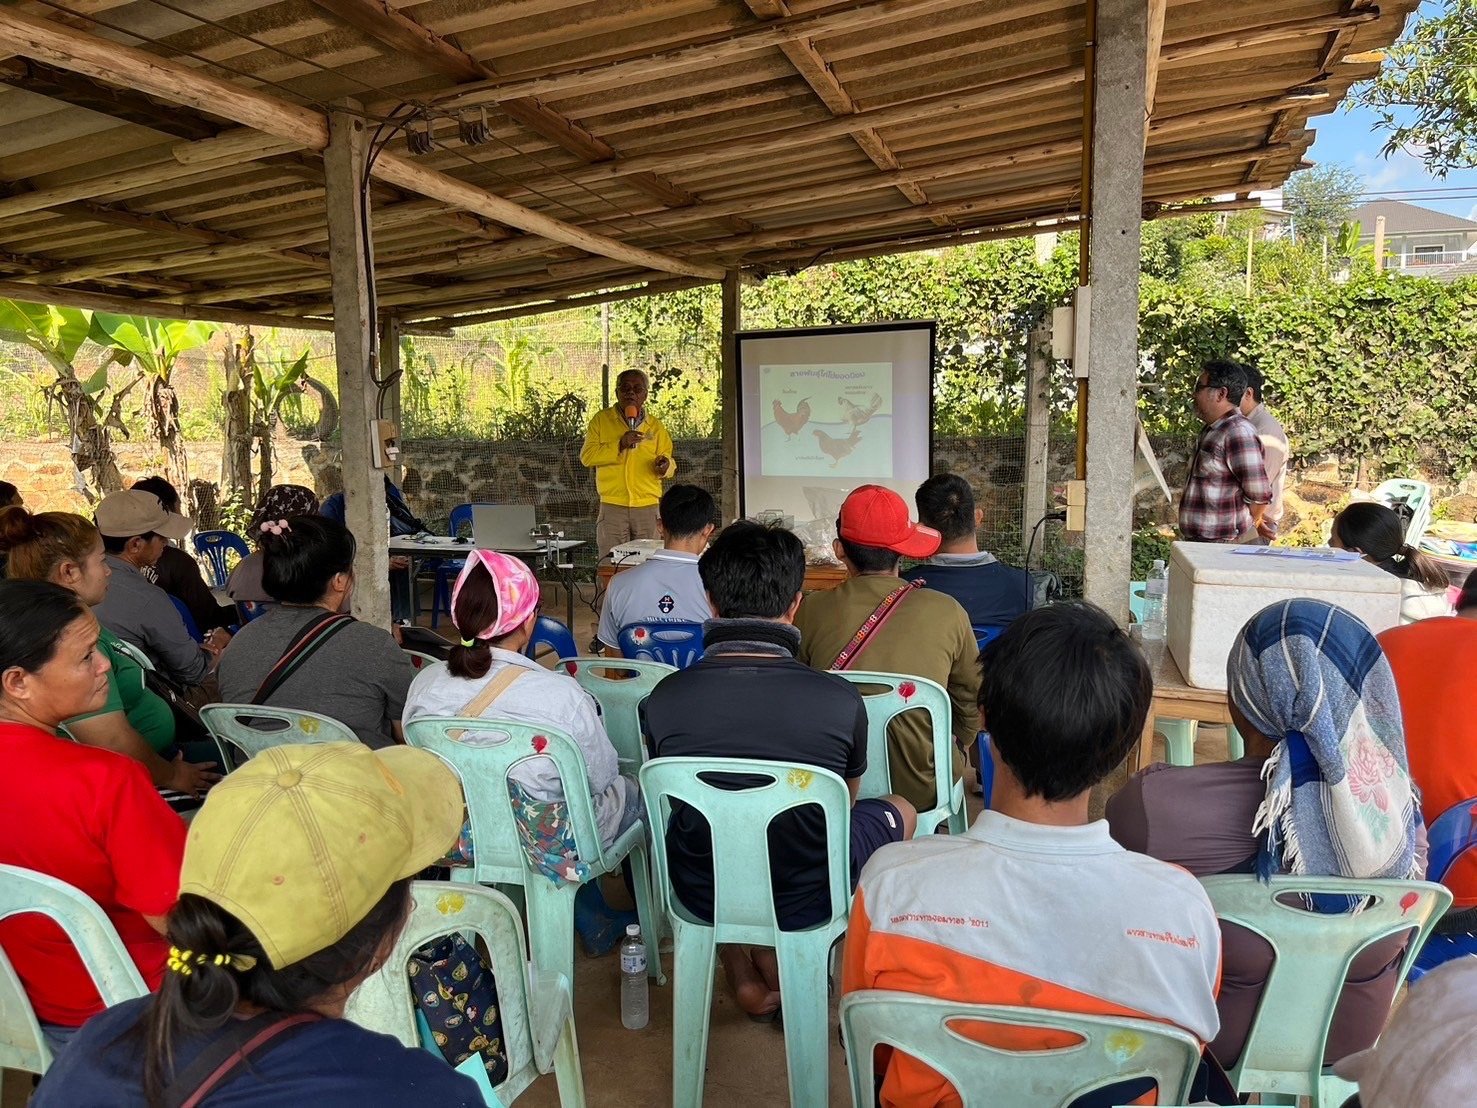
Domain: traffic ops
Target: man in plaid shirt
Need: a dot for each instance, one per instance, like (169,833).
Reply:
(1227,493)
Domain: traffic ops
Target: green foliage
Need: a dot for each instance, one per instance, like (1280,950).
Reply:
(156,344)
(1426,93)
(61,330)
(1320,199)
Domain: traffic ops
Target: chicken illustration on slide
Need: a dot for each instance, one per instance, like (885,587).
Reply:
(855,414)
(789,422)
(838,448)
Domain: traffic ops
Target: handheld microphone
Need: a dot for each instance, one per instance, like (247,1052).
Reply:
(633,416)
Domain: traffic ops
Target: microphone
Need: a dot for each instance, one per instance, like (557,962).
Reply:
(633,416)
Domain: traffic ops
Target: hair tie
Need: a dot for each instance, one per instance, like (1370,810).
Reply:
(183,962)
(278,528)
(469,643)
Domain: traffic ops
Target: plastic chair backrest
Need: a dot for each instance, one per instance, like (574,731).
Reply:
(482,752)
(191,628)
(240,726)
(384,1002)
(1451,834)
(743,897)
(984,636)
(550,632)
(248,610)
(213,547)
(900,693)
(420,659)
(1313,951)
(142,660)
(620,686)
(1415,498)
(1136,600)
(103,954)
(676,644)
(461,516)
(1108,1050)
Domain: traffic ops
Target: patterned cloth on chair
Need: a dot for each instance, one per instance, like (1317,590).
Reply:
(546,834)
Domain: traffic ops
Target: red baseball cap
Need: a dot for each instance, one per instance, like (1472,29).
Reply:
(874,516)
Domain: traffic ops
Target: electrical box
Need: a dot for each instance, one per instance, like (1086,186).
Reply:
(384,443)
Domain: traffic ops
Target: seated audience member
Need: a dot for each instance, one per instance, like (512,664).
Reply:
(665,587)
(402,522)
(990,592)
(1377,532)
(177,572)
(494,605)
(307,653)
(82,815)
(1323,790)
(1428,1054)
(748,697)
(294,890)
(135,529)
(10,497)
(902,629)
(66,550)
(280,502)
(1435,667)
(1033,904)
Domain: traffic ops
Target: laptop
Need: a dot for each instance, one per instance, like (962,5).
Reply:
(503,527)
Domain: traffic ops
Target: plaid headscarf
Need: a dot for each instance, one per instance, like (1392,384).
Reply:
(282,502)
(1311,678)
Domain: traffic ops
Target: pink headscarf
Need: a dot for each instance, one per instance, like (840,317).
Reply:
(516,587)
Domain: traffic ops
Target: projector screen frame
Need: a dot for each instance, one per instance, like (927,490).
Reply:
(929,325)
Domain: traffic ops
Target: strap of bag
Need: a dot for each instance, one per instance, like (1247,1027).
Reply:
(491,691)
(303,646)
(870,625)
(224,1058)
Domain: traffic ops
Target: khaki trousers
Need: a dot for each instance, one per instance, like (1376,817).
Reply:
(615,525)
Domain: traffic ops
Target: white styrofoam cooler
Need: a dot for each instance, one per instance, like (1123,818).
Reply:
(1213,591)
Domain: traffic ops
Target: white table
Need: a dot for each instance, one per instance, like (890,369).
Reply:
(545,556)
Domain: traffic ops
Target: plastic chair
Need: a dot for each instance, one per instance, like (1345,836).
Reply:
(1452,834)
(676,644)
(620,686)
(743,907)
(984,636)
(191,628)
(553,634)
(142,660)
(482,752)
(1412,499)
(1283,1055)
(1136,600)
(899,694)
(447,569)
(536,1008)
(213,546)
(238,725)
(420,659)
(987,766)
(248,610)
(1108,1050)
(107,960)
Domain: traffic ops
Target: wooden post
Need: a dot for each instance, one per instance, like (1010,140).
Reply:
(390,374)
(1038,430)
(1379,244)
(364,489)
(732,322)
(1117,198)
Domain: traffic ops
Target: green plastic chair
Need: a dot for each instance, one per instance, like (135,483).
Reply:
(142,660)
(1283,1055)
(483,751)
(239,725)
(1109,1050)
(743,907)
(900,693)
(107,960)
(536,1007)
(620,686)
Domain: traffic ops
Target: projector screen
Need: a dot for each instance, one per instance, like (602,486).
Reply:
(823,410)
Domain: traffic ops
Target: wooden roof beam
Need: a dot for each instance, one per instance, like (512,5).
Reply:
(115,103)
(567,303)
(303,127)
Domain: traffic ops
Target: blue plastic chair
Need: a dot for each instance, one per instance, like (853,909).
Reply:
(483,752)
(676,644)
(743,907)
(191,628)
(1283,1055)
(213,546)
(984,636)
(620,686)
(252,728)
(106,959)
(248,610)
(900,693)
(1452,834)
(1107,1050)
(447,570)
(987,766)
(551,633)
(536,1008)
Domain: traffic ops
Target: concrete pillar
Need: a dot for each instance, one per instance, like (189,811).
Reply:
(1117,201)
(1036,477)
(364,490)
(389,372)
(732,322)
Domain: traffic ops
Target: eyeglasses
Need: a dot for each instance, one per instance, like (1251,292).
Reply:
(1201,388)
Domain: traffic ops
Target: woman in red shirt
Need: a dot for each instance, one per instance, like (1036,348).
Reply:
(83,815)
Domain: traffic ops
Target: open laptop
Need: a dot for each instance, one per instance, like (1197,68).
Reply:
(503,527)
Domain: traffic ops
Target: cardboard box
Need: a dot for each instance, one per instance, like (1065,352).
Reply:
(1213,591)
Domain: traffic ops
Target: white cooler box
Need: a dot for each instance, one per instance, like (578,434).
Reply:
(1213,591)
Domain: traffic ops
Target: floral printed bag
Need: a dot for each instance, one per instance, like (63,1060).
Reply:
(456,1004)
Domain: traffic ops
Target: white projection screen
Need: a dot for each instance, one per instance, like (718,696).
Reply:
(825,409)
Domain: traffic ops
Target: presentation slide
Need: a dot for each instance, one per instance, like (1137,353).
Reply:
(824,410)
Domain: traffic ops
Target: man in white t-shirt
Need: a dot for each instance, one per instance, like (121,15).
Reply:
(1274,446)
(666,587)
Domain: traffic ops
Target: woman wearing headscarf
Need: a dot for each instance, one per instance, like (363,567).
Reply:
(1324,790)
(281,502)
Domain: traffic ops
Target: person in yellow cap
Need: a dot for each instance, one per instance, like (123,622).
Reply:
(631,454)
(294,888)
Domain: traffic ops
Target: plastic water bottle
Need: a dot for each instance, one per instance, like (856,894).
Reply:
(635,1001)
(1156,602)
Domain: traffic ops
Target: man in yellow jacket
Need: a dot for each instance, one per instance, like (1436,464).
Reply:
(631,454)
